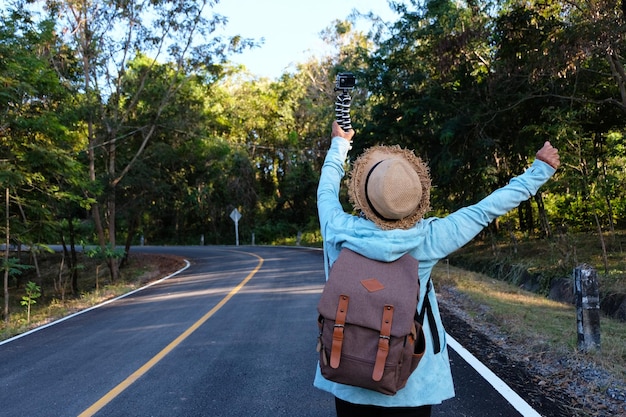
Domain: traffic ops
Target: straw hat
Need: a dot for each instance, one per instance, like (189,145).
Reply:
(391,186)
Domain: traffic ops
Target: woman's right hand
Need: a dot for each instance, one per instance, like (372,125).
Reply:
(337,131)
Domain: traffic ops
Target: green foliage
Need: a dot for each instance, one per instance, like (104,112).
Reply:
(429,83)
(276,232)
(121,143)
(107,253)
(106,139)
(14,266)
(33,291)
(39,164)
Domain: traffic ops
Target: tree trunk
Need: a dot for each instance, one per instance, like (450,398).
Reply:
(543,216)
(6,261)
(133,225)
(525,214)
(33,253)
(73,257)
(69,263)
(602,243)
(88,54)
(619,74)
(111,209)
(607,199)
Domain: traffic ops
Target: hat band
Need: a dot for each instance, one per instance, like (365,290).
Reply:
(367,197)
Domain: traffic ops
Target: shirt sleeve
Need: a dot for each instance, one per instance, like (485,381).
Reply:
(452,232)
(328,204)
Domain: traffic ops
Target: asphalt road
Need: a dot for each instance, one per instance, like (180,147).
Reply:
(232,335)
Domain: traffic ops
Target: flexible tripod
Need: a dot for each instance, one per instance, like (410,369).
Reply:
(344,83)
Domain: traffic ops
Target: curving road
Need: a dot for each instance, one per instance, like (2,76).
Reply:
(234,334)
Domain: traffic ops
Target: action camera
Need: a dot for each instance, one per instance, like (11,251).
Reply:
(345,81)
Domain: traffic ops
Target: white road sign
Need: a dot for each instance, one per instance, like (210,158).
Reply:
(235,215)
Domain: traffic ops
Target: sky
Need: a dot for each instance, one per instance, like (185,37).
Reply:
(290,27)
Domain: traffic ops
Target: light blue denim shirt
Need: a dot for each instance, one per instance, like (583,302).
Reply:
(430,240)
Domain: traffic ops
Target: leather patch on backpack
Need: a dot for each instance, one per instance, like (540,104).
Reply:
(372,285)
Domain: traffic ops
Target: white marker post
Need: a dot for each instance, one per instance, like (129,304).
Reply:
(235,215)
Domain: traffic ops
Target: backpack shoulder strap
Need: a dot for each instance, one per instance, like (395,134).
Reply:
(428,311)
(325,259)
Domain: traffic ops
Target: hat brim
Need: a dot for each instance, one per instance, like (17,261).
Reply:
(356,185)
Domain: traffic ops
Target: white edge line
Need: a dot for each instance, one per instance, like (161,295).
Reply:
(511,396)
(36,329)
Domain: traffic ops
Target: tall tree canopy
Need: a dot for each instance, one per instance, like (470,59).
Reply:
(132,111)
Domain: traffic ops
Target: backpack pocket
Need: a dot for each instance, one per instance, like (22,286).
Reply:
(357,367)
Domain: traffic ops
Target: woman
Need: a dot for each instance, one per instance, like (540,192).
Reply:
(390,188)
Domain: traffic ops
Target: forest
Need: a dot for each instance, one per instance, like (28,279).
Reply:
(126,123)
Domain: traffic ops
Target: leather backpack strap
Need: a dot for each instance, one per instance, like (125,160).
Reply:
(340,322)
(383,343)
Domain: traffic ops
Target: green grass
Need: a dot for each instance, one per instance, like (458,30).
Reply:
(94,284)
(533,321)
(507,259)
(54,309)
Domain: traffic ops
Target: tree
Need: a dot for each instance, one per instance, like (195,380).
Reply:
(428,82)
(107,37)
(36,147)
(565,62)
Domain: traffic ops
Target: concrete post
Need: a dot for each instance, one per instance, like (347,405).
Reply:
(587,291)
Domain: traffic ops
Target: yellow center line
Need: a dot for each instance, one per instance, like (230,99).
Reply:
(109,396)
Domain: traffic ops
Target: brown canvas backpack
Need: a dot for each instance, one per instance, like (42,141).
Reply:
(370,331)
